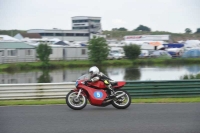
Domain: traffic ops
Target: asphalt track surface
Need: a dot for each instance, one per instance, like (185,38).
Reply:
(138,118)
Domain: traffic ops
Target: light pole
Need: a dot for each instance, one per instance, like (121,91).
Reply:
(62,35)
(89,29)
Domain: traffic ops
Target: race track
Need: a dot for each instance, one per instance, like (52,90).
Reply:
(138,118)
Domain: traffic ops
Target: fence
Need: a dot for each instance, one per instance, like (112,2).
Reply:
(18,60)
(35,91)
(154,89)
(4,60)
(137,89)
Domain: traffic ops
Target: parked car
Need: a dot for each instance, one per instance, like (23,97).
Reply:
(160,54)
(117,56)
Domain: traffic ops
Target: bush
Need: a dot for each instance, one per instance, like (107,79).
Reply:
(132,51)
(43,52)
(98,50)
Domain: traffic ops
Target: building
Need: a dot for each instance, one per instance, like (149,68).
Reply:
(69,35)
(21,36)
(75,53)
(63,52)
(166,38)
(92,24)
(17,52)
(83,28)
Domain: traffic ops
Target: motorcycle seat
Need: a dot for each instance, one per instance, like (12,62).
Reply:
(113,83)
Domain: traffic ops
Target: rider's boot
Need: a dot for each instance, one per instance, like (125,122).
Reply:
(112,92)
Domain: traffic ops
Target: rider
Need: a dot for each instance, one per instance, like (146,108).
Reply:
(95,75)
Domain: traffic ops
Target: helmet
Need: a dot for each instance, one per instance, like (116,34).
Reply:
(93,71)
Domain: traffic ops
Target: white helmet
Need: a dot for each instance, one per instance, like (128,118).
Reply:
(93,71)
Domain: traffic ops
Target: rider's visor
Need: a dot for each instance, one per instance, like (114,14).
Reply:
(91,73)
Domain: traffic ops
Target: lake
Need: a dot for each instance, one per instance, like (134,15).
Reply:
(140,73)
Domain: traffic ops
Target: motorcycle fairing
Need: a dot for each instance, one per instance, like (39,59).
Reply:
(95,96)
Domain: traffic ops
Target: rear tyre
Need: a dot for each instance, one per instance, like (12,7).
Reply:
(122,102)
(76,103)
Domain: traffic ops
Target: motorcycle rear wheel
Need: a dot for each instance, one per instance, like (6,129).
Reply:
(122,102)
(76,103)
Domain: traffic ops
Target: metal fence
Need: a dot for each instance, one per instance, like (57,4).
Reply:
(21,60)
(137,89)
(16,60)
(155,89)
(35,91)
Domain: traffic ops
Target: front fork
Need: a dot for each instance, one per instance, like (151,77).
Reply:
(79,92)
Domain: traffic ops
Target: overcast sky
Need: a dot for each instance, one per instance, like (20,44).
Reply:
(161,15)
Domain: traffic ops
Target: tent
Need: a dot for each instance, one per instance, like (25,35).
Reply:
(192,44)
(82,44)
(60,43)
(8,38)
(191,53)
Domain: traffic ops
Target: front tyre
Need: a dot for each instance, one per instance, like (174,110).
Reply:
(76,103)
(122,102)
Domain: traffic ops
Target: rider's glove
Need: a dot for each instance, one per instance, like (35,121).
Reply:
(87,81)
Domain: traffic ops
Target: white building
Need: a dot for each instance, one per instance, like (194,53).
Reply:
(12,52)
(83,27)
(148,42)
(91,24)
(166,38)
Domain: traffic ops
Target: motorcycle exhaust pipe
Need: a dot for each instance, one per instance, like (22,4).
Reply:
(121,95)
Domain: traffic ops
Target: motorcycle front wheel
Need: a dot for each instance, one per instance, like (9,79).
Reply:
(74,102)
(122,102)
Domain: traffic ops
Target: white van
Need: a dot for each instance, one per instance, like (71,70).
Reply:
(118,51)
(144,54)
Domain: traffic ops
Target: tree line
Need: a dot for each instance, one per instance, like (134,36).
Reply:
(98,51)
(145,28)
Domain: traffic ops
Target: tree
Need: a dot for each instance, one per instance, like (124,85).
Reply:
(43,52)
(114,29)
(142,28)
(188,30)
(198,30)
(98,50)
(132,51)
(122,29)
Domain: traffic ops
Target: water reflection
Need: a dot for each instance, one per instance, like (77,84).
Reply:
(45,77)
(115,73)
(193,69)
(132,74)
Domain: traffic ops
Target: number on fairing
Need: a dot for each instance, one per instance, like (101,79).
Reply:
(98,94)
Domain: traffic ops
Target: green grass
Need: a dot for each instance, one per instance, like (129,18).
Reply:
(85,63)
(62,101)
(168,100)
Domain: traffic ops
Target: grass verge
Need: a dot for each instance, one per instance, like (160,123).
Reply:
(85,63)
(62,101)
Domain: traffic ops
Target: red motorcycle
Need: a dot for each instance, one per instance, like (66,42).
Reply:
(97,94)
